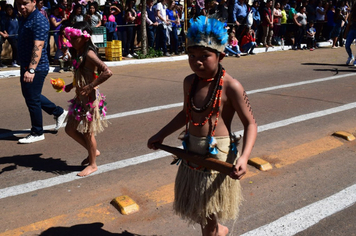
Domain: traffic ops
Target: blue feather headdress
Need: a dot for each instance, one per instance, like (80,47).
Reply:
(207,32)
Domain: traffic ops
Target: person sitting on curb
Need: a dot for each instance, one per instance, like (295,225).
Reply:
(232,46)
(248,42)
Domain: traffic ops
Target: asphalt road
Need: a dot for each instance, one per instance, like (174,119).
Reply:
(299,98)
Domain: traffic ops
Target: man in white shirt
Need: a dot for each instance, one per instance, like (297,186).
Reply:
(161,36)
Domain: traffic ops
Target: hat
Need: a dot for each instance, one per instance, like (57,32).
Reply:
(112,18)
(207,32)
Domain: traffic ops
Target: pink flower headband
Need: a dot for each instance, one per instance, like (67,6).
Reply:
(70,31)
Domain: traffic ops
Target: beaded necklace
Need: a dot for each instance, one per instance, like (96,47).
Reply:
(215,106)
(193,90)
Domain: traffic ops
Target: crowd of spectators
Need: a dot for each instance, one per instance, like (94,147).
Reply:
(253,22)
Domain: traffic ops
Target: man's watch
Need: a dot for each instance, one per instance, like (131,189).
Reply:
(31,71)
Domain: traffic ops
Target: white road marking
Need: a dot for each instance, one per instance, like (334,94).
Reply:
(290,224)
(40,184)
(307,216)
(15,73)
(180,104)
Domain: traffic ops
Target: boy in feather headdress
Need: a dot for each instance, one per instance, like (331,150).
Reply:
(212,97)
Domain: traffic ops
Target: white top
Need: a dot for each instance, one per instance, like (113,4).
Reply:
(277,12)
(318,15)
(162,12)
(302,18)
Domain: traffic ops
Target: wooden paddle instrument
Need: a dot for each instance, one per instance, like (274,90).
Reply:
(207,162)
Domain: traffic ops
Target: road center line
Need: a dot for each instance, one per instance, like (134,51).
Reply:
(307,216)
(180,104)
(41,184)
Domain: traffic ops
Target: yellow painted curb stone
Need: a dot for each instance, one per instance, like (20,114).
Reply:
(260,164)
(345,135)
(125,205)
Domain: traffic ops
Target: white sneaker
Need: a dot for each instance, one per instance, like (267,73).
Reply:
(32,138)
(14,64)
(60,119)
(129,55)
(349,60)
(135,54)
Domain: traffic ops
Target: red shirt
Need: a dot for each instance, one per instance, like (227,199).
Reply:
(266,12)
(246,39)
(67,11)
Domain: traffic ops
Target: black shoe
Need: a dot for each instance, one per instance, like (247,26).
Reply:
(2,65)
(252,53)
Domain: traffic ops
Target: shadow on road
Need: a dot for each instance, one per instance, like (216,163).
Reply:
(323,64)
(37,163)
(93,229)
(335,70)
(15,135)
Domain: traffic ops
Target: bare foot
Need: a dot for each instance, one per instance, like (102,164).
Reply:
(222,230)
(88,170)
(86,160)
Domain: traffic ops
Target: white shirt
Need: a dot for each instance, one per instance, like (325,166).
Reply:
(162,12)
(318,15)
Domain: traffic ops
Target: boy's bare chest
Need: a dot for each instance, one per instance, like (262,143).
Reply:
(204,95)
(201,96)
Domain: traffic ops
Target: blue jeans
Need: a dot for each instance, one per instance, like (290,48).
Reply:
(56,39)
(300,32)
(161,39)
(232,49)
(151,31)
(248,47)
(129,48)
(350,38)
(36,102)
(174,40)
(13,43)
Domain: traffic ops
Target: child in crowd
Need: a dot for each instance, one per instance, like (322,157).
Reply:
(64,56)
(311,36)
(233,46)
(111,28)
(65,59)
(248,41)
(212,97)
(87,110)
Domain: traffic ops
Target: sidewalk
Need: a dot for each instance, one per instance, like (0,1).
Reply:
(13,72)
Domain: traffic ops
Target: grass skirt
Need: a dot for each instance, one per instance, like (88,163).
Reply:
(91,114)
(200,193)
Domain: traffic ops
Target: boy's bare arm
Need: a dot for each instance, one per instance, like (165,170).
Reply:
(242,106)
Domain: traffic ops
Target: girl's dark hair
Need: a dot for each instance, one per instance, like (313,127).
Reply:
(54,8)
(337,14)
(106,11)
(13,15)
(95,4)
(84,26)
(75,8)
(74,12)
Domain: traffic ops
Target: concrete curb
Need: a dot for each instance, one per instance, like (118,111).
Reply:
(15,73)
